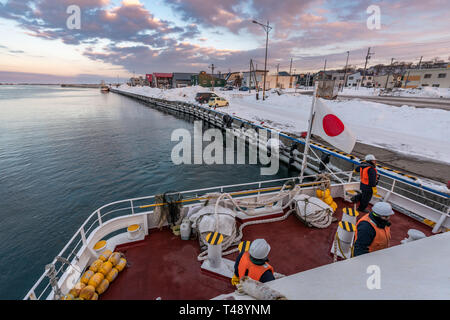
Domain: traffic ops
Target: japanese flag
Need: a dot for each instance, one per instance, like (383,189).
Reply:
(331,129)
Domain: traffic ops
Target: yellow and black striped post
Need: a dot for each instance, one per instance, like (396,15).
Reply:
(214,240)
(343,240)
(347,226)
(349,215)
(244,245)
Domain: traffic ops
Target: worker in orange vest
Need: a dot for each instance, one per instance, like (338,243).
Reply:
(253,262)
(369,180)
(373,230)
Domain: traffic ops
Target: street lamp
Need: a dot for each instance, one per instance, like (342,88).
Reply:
(267,28)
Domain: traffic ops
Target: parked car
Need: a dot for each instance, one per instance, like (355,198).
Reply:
(203,97)
(243,89)
(218,102)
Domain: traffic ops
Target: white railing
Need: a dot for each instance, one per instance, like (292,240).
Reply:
(41,289)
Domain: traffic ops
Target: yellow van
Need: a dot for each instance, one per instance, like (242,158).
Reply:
(218,102)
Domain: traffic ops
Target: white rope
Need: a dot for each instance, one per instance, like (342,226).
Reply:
(316,220)
(320,219)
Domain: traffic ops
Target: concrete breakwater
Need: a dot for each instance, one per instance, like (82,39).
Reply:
(94,86)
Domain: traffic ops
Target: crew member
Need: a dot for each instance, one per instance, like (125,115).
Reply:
(253,262)
(369,180)
(373,230)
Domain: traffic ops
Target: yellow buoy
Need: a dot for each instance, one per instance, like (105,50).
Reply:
(96,279)
(86,276)
(87,292)
(95,266)
(68,297)
(102,287)
(105,255)
(105,268)
(115,258)
(95,296)
(121,265)
(100,245)
(133,227)
(112,275)
(77,288)
(327,193)
(319,193)
(328,200)
(334,206)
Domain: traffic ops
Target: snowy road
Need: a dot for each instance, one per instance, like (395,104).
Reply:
(433,103)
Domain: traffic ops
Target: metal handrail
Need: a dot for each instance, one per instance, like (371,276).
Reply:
(81,231)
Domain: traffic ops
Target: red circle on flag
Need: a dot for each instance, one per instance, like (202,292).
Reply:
(332,125)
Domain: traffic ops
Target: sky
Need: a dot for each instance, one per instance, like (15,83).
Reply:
(119,38)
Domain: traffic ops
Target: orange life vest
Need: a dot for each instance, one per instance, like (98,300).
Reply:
(364,173)
(254,271)
(382,236)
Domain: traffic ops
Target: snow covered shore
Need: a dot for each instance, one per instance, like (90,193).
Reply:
(408,130)
(426,92)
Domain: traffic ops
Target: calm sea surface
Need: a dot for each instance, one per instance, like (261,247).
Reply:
(66,152)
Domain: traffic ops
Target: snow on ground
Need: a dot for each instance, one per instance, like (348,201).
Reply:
(413,131)
(425,92)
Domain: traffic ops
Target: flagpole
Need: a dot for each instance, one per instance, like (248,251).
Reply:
(308,137)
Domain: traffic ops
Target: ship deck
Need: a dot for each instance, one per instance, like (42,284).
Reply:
(164,266)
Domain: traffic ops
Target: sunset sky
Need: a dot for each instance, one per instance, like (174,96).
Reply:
(118,38)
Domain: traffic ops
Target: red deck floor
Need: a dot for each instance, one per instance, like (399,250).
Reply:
(165,266)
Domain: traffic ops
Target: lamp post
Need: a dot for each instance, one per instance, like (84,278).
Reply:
(267,28)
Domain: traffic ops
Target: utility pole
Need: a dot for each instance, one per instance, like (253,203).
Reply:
(212,70)
(290,73)
(254,78)
(420,62)
(407,78)
(389,73)
(365,65)
(324,67)
(267,28)
(250,77)
(276,82)
(345,72)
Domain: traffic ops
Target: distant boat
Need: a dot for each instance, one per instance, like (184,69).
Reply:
(104,87)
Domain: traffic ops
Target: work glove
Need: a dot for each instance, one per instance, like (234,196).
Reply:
(374,190)
(234,280)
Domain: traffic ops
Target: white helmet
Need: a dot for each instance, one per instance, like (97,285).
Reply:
(383,209)
(370,157)
(259,249)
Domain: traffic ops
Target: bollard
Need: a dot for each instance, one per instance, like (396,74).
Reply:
(349,215)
